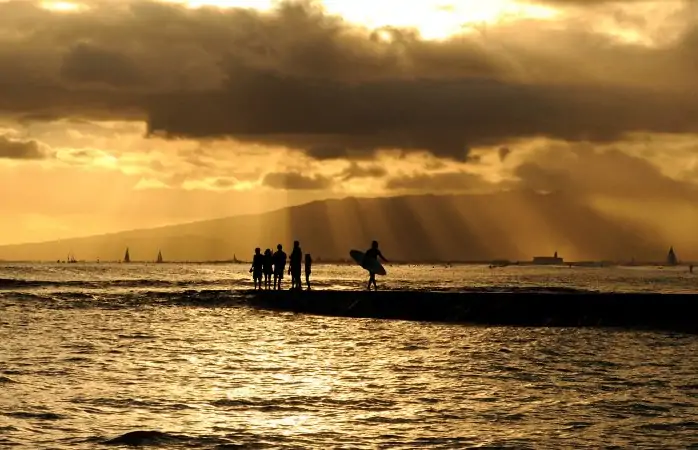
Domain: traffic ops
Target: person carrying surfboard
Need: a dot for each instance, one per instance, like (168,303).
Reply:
(372,253)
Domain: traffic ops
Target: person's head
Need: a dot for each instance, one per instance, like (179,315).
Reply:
(279,247)
(374,244)
(256,251)
(296,244)
(267,251)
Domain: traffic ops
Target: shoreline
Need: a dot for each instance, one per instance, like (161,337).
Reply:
(540,308)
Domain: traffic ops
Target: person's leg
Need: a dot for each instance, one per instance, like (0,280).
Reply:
(307,280)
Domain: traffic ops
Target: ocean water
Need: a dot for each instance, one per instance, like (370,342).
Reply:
(100,356)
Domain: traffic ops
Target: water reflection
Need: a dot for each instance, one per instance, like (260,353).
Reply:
(78,374)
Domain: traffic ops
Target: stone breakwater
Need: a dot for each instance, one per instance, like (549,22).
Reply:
(535,308)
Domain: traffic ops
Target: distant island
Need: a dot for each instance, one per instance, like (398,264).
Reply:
(429,229)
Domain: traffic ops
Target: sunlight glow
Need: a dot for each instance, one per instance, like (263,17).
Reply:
(433,19)
(107,160)
(62,6)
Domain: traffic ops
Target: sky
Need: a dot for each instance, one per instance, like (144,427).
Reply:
(125,114)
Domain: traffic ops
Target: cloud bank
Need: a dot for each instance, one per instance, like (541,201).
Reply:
(22,149)
(300,78)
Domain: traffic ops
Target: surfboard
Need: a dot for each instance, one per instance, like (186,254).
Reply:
(373,265)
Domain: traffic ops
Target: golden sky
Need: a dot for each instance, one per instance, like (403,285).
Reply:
(127,114)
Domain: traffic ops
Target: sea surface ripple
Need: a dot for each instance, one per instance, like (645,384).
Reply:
(107,356)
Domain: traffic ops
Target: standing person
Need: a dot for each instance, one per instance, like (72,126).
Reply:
(256,269)
(295,266)
(279,258)
(267,268)
(308,268)
(372,254)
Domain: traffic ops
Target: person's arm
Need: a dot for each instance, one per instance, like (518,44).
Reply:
(382,257)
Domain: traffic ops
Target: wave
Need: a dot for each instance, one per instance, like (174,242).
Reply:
(165,439)
(131,299)
(300,403)
(137,438)
(126,299)
(13,283)
(34,415)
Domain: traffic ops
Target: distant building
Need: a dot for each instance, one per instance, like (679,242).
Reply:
(548,260)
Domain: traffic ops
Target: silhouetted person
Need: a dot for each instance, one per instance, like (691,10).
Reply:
(690,268)
(256,269)
(372,254)
(279,258)
(308,269)
(267,268)
(295,266)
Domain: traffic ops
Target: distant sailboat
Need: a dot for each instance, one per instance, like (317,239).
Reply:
(127,257)
(159,260)
(671,258)
(71,258)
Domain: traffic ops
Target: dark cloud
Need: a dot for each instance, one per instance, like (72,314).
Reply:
(22,149)
(355,170)
(300,78)
(456,181)
(295,181)
(85,63)
(225,183)
(588,173)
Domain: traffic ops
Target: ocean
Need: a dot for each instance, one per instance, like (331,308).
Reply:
(105,355)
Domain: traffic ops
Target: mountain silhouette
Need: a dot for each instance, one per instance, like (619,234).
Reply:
(510,225)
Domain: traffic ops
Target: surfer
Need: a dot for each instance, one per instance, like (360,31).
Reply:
(256,269)
(267,268)
(295,266)
(279,259)
(308,269)
(372,253)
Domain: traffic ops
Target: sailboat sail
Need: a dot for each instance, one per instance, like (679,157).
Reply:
(127,257)
(671,258)
(159,256)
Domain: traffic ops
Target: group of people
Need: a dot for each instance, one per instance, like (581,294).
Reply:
(268,264)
